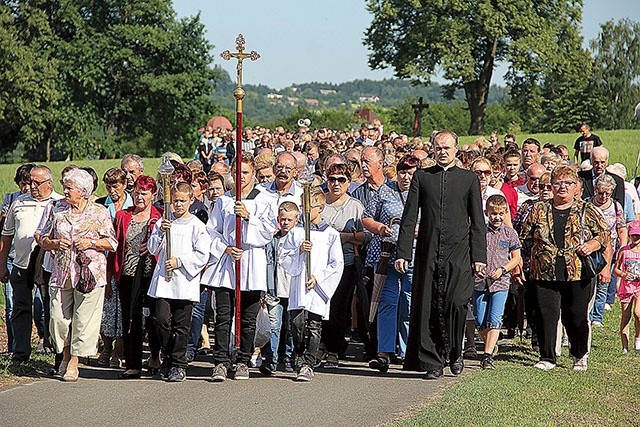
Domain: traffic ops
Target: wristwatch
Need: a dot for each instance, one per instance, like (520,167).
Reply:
(504,270)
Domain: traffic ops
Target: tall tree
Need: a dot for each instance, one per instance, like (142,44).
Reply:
(617,59)
(464,40)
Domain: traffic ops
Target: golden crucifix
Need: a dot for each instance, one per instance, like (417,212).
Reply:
(238,94)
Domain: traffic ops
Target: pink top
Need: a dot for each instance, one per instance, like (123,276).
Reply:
(630,264)
(94,223)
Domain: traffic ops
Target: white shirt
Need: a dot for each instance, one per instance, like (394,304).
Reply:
(256,233)
(22,220)
(190,243)
(327,265)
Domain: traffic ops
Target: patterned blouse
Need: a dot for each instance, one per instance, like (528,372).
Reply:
(135,239)
(538,243)
(94,223)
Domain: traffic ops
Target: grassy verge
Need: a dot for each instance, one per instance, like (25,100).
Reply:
(517,394)
(38,366)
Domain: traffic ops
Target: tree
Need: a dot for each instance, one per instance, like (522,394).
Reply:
(617,70)
(89,79)
(29,94)
(465,39)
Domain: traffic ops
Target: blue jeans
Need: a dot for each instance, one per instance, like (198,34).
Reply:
(8,307)
(280,324)
(197,320)
(488,308)
(597,312)
(393,311)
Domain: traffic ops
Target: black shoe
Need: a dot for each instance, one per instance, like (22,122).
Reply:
(189,357)
(457,366)
(130,375)
(487,362)
(165,368)
(380,362)
(433,374)
(267,368)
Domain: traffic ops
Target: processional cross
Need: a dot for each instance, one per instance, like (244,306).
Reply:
(238,94)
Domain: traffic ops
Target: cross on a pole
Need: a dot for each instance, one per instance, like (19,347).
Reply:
(240,55)
(417,116)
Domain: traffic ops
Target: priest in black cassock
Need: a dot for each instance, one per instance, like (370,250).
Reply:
(451,248)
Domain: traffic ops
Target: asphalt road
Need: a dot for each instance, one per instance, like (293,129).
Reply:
(352,395)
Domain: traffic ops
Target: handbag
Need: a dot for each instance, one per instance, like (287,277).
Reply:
(593,263)
(86,280)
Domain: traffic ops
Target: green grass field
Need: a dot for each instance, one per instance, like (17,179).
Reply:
(516,394)
(623,145)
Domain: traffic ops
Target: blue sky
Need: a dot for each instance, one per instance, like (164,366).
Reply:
(302,41)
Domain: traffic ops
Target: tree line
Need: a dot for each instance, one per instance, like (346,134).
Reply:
(89,79)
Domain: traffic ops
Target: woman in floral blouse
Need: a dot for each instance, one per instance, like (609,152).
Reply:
(552,238)
(79,233)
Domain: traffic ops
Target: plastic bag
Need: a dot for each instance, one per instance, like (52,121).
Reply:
(263,327)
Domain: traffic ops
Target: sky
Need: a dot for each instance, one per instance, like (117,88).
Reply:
(302,41)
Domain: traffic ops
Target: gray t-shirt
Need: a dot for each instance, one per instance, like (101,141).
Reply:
(347,218)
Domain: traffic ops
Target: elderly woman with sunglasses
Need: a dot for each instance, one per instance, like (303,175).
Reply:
(80,233)
(343,213)
(556,235)
(382,218)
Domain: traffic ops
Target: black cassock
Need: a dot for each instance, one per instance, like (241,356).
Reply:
(451,236)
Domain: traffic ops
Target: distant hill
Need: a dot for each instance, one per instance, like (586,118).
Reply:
(266,105)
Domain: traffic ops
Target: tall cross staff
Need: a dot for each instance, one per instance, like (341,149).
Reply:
(238,94)
(417,116)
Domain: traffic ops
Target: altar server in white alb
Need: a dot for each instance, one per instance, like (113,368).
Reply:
(220,274)
(309,301)
(175,297)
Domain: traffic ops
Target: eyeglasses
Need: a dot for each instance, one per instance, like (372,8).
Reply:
(283,168)
(545,186)
(559,184)
(483,172)
(604,193)
(35,183)
(341,179)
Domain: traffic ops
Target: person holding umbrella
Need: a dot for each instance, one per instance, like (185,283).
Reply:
(391,295)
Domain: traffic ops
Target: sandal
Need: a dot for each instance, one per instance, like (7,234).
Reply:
(71,376)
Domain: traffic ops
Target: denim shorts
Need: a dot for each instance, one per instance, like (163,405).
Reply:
(488,308)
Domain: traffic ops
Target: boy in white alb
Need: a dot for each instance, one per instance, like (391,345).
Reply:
(175,297)
(309,299)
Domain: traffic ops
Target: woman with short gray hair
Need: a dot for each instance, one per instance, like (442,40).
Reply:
(613,214)
(79,233)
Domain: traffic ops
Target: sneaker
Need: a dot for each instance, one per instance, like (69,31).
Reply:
(607,307)
(596,324)
(165,369)
(543,365)
(381,363)
(189,357)
(355,336)
(242,372)
(115,362)
(625,351)
(289,365)
(219,373)
(177,375)
(267,368)
(305,374)
(580,365)
(104,359)
(487,362)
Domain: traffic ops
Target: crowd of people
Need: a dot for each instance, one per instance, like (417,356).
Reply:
(418,248)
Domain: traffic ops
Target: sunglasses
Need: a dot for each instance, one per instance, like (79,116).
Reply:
(545,186)
(485,173)
(340,179)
